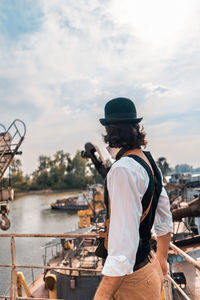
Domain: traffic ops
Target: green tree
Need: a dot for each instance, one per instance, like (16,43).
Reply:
(97,178)
(15,165)
(44,163)
(79,164)
(43,181)
(18,181)
(62,171)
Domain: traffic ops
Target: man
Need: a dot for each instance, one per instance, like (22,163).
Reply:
(135,203)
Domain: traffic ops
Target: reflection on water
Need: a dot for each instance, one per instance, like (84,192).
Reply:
(32,214)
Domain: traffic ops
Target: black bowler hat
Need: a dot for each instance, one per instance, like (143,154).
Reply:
(120,110)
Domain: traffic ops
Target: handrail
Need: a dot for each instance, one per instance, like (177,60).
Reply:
(4,128)
(20,133)
(47,235)
(190,260)
(14,266)
(187,257)
(178,287)
(48,268)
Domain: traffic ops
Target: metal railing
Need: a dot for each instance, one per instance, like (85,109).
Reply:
(190,260)
(13,266)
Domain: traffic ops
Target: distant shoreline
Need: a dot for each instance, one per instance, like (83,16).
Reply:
(48,191)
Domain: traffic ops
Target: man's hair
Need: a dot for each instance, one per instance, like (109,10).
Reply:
(127,136)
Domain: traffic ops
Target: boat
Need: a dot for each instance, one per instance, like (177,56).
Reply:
(72,204)
(83,275)
(73,271)
(84,200)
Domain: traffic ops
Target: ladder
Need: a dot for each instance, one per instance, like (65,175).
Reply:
(10,141)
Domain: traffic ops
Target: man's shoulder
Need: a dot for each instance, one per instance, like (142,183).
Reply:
(125,163)
(127,167)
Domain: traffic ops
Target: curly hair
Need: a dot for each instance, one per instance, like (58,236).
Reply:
(127,136)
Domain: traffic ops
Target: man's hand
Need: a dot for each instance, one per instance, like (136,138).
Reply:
(163,264)
(162,251)
(108,287)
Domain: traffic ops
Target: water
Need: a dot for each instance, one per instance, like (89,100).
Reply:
(32,214)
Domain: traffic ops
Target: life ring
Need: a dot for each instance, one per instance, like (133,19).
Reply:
(5,222)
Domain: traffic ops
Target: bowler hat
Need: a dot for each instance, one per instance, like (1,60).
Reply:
(120,110)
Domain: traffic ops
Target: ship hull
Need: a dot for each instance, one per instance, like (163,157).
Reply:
(70,208)
(84,288)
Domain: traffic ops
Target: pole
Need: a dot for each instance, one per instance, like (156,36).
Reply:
(187,257)
(13,291)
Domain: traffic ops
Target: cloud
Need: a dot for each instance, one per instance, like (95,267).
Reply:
(63,65)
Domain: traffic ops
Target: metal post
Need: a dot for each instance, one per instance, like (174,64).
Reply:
(93,200)
(33,279)
(13,291)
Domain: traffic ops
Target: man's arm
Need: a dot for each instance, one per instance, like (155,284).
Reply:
(163,227)
(123,237)
(108,287)
(162,251)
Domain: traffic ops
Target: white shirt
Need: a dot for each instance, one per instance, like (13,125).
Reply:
(127,181)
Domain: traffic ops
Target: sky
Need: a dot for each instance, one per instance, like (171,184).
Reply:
(61,61)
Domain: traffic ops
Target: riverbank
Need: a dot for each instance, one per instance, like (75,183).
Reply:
(46,192)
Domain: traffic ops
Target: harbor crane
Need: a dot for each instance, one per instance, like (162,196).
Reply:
(10,142)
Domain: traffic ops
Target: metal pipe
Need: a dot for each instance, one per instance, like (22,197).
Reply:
(187,257)
(178,288)
(49,268)
(22,281)
(47,235)
(13,271)
(32,273)
(5,266)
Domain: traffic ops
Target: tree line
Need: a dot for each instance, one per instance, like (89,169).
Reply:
(62,172)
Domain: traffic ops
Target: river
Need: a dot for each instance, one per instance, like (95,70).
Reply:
(32,214)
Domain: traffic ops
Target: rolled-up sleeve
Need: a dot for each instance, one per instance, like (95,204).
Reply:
(163,218)
(126,210)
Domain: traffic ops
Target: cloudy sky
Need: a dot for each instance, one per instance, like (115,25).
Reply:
(62,60)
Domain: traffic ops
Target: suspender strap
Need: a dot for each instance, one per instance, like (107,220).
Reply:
(148,208)
(157,176)
(149,194)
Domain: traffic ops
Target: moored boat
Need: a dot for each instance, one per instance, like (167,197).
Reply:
(75,203)
(83,269)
